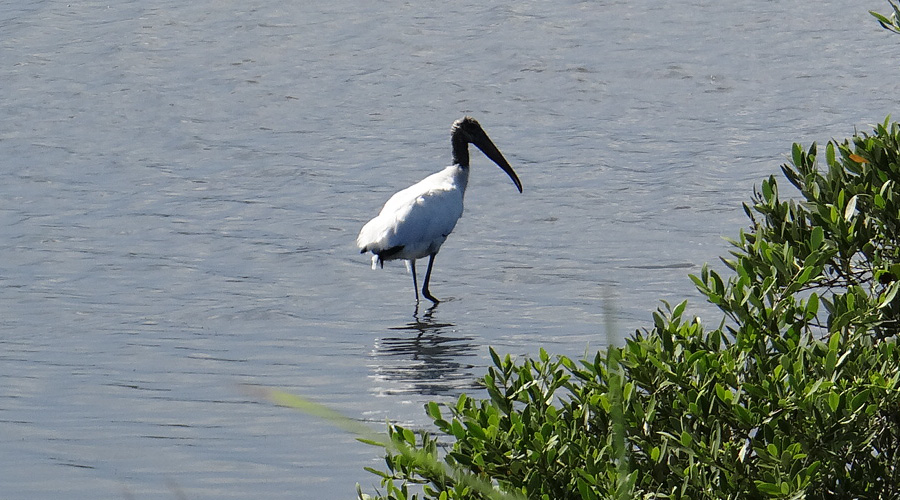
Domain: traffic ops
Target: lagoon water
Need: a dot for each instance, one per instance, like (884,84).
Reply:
(183,183)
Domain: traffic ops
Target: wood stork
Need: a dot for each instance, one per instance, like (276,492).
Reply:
(416,221)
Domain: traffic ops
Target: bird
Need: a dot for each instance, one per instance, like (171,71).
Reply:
(416,221)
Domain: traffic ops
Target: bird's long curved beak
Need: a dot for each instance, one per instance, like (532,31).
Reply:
(487,147)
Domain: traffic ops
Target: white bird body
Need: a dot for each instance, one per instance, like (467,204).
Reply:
(419,218)
(416,221)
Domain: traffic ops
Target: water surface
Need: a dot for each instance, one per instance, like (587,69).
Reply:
(184,183)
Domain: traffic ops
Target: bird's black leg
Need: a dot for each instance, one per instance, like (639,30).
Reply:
(425,291)
(412,268)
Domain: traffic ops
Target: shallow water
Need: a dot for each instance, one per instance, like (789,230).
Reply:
(185,181)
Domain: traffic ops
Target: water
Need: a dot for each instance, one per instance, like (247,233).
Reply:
(184,184)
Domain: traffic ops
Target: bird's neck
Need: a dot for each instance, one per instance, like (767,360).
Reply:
(460,177)
(460,151)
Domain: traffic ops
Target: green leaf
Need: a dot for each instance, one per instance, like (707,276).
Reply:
(409,436)
(766,190)
(679,309)
(797,154)
(816,238)
(834,399)
(834,341)
(457,429)
(686,439)
(433,410)
(829,154)
(495,358)
(768,488)
(885,22)
(812,306)
(724,394)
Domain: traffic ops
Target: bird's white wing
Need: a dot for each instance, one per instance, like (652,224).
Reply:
(418,218)
(423,226)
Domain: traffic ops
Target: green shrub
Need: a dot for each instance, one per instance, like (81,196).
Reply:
(795,395)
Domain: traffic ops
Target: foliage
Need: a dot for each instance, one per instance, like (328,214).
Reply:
(892,22)
(796,394)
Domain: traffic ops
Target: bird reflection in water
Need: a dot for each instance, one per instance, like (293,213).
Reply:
(424,357)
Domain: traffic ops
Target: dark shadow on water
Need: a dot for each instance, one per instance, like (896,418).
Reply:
(425,356)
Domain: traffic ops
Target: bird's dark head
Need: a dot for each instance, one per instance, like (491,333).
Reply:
(467,131)
(466,125)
